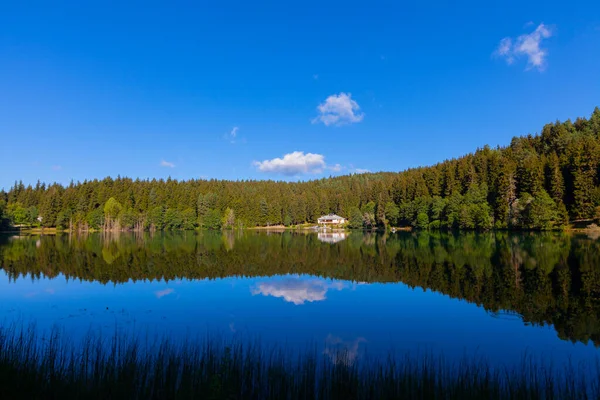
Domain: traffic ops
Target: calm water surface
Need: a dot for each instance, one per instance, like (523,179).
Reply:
(495,294)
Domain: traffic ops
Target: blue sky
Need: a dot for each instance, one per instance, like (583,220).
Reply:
(271,90)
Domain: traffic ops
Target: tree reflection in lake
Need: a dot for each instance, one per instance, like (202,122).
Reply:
(541,278)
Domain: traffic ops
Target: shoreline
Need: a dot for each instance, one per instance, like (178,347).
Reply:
(311,228)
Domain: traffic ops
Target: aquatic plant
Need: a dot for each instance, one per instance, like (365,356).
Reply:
(42,366)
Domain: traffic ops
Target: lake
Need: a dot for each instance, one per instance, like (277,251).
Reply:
(498,295)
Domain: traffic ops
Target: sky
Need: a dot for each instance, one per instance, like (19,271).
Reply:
(281,90)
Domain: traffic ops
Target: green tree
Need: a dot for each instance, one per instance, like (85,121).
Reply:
(438,206)
(156,219)
(264,213)
(380,209)
(519,211)
(112,209)
(392,212)
(95,219)
(481,214)
(188,217)
(356,219)
(542,213)
(228,219)
(4,220)
(452,216)
(422,221)
(555,179)
(205,203)
(212,220)
(51,205)
(62,220)
(368,211)
(466,217)
(128,219)
(17,214)
(32,215)
(172,219)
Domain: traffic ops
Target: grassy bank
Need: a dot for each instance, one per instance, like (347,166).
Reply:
(35,367)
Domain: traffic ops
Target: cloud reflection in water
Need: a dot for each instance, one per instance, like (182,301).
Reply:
(342,352)
(297,290)
(162,293)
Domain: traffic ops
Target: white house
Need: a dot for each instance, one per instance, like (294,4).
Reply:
(331,219)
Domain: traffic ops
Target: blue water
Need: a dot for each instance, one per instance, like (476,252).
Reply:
(292,310)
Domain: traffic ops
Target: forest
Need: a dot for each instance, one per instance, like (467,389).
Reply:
(537,182)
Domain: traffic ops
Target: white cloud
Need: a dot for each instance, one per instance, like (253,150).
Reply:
(505,50)
(354,170)
(232,135)
(528,45)
(162,293)
(296,163)
(293,164)
(56,167)
(339,110)
(297,290)
(167,164)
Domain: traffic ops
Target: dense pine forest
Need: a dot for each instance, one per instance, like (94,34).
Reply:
(539,182)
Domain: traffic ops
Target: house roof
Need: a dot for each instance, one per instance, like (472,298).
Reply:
(331,216)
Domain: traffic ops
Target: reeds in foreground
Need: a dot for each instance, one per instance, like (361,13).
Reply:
(33,366)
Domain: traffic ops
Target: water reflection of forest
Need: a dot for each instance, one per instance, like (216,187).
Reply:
(541,278)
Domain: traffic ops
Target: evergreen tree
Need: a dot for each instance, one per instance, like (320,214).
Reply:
(356,218)
(213,220)
(422,221)
(542,213)
(392,213)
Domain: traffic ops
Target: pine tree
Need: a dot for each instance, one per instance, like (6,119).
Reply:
(555,179)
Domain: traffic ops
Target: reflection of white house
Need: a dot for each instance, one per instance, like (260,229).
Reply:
(333,237)
(331,219)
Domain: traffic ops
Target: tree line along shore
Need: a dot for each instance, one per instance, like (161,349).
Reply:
(539,182)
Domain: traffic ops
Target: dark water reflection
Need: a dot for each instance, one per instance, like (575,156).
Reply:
(534,292)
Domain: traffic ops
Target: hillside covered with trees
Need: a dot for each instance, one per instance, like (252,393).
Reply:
(536,182)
